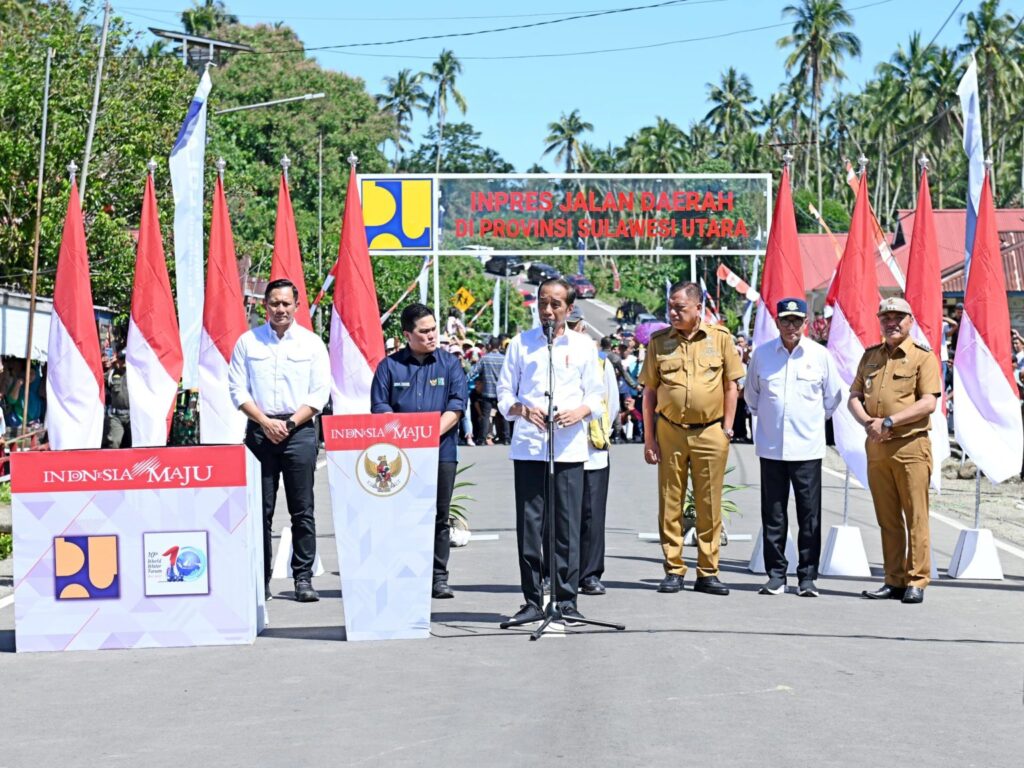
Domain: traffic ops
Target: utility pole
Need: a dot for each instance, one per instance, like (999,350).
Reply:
(95,99)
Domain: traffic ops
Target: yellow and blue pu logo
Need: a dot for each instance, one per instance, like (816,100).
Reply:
(85,567)
(398,213)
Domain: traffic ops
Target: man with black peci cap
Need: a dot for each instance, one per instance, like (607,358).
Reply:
(893,396)
(792,387)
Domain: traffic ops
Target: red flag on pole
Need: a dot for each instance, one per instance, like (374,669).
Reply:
(287,262)
(74,384)
(223,322)
(356,343)
(154,354)
(783,275)
(855,298)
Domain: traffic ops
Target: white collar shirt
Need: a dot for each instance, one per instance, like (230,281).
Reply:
(791,395)
(598,457)
(524,379)
(280,374)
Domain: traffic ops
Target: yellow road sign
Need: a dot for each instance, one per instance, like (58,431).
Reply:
(463,299)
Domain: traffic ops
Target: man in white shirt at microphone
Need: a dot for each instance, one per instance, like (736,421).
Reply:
(280,378)
(523,400)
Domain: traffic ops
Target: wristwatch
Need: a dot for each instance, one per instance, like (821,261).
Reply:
(290,425)
(887,422)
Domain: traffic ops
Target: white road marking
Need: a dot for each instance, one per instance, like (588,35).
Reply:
(5,601)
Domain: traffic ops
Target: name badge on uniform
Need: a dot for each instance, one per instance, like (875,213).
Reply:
(438,382)
(402,384)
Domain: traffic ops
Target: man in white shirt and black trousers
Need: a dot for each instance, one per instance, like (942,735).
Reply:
(523,400)
(792,387)
(280,378)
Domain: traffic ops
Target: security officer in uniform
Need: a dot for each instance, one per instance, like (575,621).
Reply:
(689,379)
(420,378)
(893,396)
(118,430)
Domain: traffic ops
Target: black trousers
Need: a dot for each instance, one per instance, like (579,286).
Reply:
(294,459)
(595,503)
(442,533)
(531,484)
(805,477)
(489,405)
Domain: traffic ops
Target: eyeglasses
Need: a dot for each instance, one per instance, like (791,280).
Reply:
(790,320)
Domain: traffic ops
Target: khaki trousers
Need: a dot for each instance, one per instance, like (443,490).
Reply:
(899,472)
(701,453)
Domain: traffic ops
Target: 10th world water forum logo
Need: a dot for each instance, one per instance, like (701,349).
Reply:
(176,563)
(398,213)
(85,568)
(383,469)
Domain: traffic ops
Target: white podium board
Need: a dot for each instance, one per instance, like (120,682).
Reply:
(383,477)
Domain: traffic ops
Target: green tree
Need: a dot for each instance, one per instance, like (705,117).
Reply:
(204,18)
(730,100)
(404,95)
(819,45)
(564,140)
(444,73)
(462,153)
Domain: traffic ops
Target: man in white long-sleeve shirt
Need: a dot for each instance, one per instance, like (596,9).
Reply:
(280,378)
(792,387)
(523,400)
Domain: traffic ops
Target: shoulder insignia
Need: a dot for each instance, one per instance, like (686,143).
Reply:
(923,347)
(875,346)
(661,332)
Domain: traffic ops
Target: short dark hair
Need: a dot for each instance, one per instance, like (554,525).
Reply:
(494,343)
(413,314)
(690,290)
(570,292)
(606,342)
(281,282)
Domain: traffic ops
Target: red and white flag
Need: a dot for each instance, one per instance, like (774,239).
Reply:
(223,322)
(737,283)
(287,261)
(357,343)
(154,355)
(924,294)
(854,297)
(74,384)
(986,410)
(884,251)
(783,275)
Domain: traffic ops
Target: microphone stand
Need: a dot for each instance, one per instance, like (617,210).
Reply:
(551,610)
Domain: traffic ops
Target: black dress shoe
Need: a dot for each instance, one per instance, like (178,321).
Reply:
(913,595)
(528,614)
(672,582)
(441,591)
(885,592)
(267,594)
(304,592)
(570,615)
(592,586)
(710,585)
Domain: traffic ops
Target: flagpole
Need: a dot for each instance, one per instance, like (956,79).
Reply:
(35,243)
(846,497)
(320,218)
(95,100)
(977,498)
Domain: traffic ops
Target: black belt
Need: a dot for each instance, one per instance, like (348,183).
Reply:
(693,426)
(118,411)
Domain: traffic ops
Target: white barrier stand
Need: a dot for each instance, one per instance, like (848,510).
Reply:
(283,558)
(757,558)
(975,556)
(844,553)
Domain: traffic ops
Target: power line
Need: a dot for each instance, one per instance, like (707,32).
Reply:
(936,35)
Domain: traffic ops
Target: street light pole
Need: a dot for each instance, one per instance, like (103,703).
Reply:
(274,103)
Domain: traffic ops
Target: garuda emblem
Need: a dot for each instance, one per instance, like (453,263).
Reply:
(384,474)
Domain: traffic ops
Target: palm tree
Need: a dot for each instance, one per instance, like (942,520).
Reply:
(819,45)
(204,18)
(730,99)
(658,149)
(443,73)
(563,140)
(403,96)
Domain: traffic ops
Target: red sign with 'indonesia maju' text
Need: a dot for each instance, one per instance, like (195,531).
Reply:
(357,433)
(217,466)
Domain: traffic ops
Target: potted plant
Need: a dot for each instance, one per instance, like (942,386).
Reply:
(458,520)
(729,507)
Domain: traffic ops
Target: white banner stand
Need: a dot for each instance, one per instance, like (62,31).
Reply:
(283,559)
(844,553)
(757,558)
(975,556)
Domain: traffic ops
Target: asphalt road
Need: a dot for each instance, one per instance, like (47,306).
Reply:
(744,680)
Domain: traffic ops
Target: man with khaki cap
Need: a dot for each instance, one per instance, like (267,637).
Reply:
(689,404)
(893,396)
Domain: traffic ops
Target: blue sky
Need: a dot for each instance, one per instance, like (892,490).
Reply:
(512,100)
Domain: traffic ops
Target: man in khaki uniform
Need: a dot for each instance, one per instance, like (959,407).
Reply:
(689,379)
(893,395)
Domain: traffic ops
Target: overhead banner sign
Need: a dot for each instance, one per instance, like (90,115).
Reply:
(532,214)
(138,548)
(382,471)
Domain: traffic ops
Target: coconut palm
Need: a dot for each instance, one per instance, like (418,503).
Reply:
(819,43)
(443,73)
(402,97)
(658,149)
(563,139)
(204,18)
(730,98)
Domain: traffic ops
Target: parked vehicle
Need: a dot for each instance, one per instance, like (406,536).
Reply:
(584,288)
(539,272)
(504,265)
(628,311)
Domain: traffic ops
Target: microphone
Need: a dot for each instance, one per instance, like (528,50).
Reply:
(549,331)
